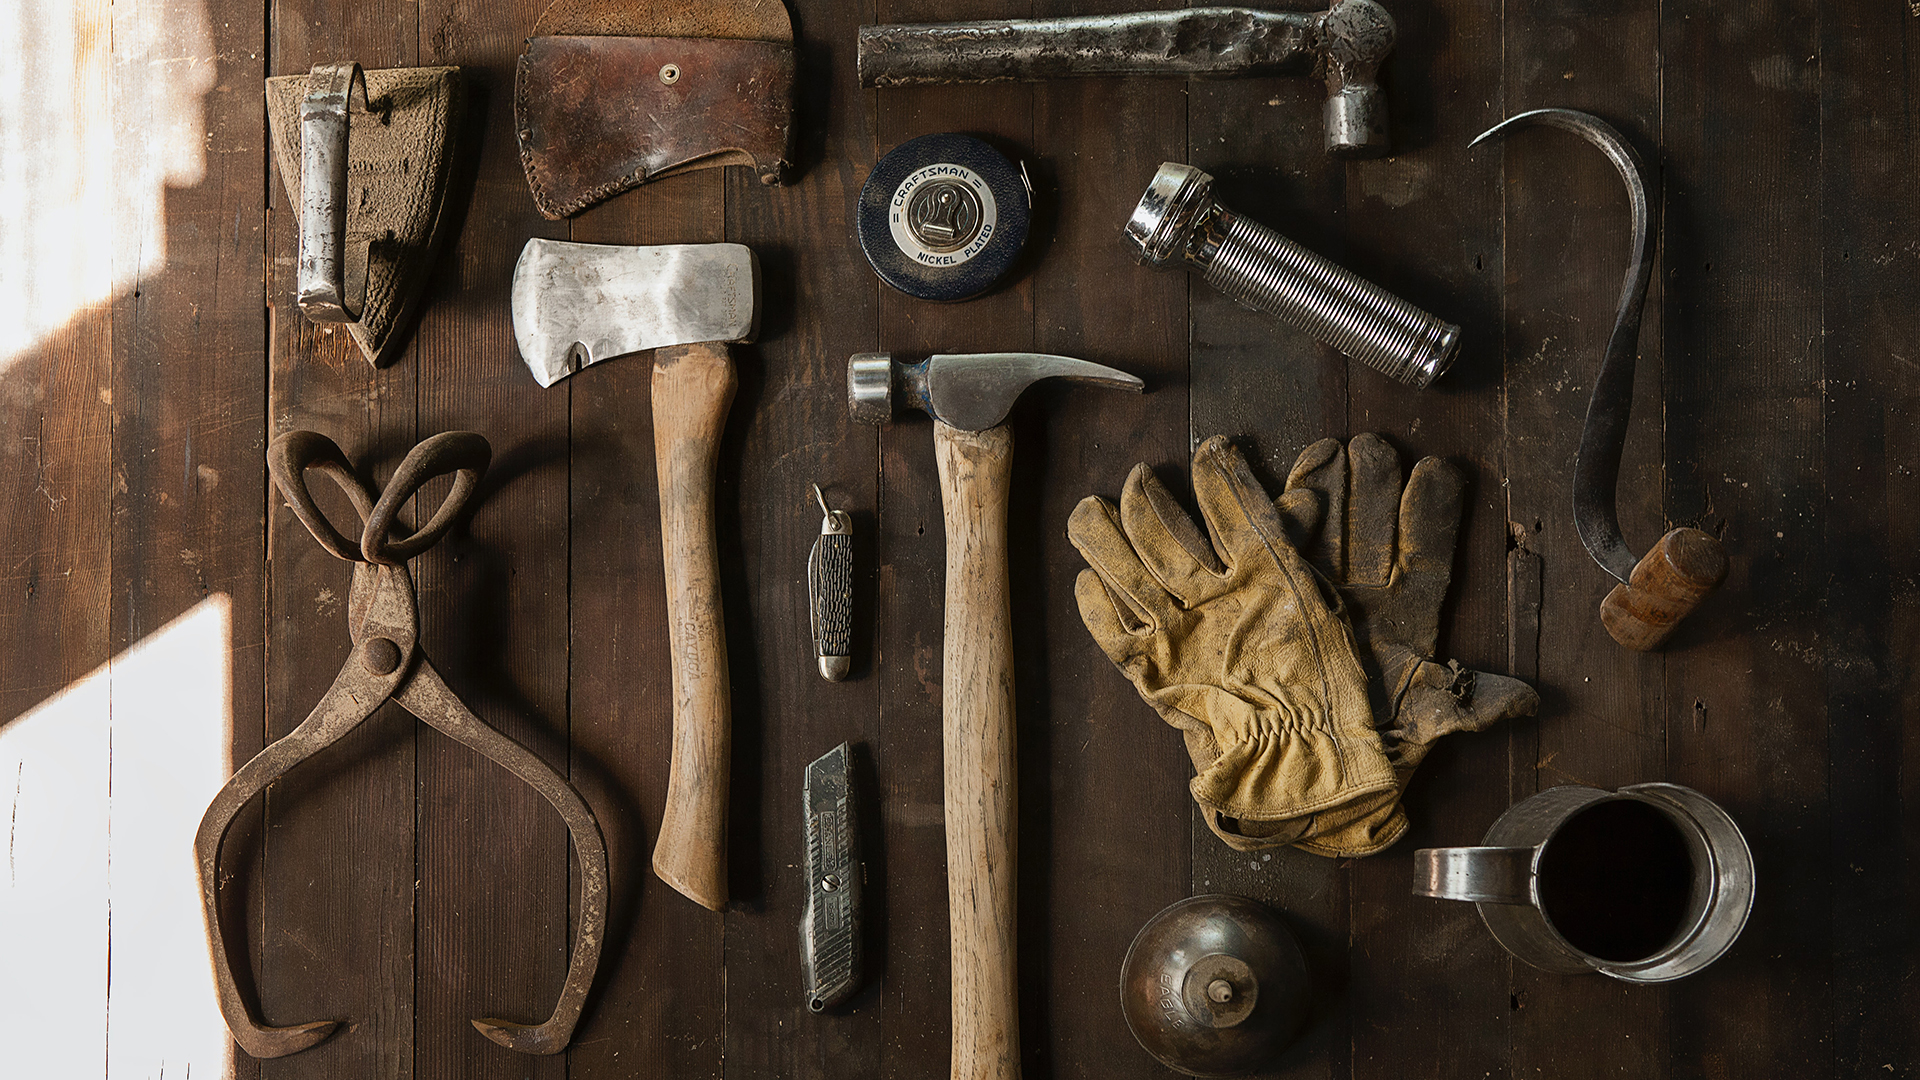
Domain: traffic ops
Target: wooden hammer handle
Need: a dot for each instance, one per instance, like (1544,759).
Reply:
(1665,586)
(692,387)
(978,734)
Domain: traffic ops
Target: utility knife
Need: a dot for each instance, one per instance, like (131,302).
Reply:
(830,930)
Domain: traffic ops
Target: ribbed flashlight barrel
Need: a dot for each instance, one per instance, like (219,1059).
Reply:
(1268,272)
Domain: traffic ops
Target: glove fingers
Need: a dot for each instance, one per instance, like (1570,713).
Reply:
(1373,510)
(1301,511)
(1430,512)
(1320,473)
(1168,542)
(1239,513)
(1114,626)
(1440,700)
(1094,528)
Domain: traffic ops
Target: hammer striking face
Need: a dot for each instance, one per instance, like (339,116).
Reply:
(579,304)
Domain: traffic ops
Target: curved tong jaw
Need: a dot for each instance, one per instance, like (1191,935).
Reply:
(387,664)
(1657,591)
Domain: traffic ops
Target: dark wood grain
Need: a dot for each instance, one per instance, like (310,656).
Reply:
(793,430)
(405,885)
(1094,758)
(341,860)
(1743,394)
(493,892)
(1602,719)
(1868,133)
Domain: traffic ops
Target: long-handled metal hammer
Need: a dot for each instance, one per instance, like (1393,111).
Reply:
(1344,45)
(968,397)
(578,304)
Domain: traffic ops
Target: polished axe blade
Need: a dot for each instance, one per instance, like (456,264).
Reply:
(579,304)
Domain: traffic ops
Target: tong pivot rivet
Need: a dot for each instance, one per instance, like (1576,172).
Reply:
(381,656)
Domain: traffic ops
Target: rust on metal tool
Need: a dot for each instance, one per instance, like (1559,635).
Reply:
(387,664)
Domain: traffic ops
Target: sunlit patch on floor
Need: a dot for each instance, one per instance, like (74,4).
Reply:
(100,112)
(101,939)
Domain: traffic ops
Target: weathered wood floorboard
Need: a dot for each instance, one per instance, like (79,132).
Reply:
(405,885)
(1867,627)
(1745,680)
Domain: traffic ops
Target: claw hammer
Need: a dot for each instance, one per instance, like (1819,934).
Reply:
(969,397)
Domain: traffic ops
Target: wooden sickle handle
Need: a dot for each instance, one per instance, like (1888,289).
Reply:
(1665,586)
(978,732)
(692,387)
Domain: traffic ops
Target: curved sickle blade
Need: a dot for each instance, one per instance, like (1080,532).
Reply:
(974,392)
(1596,470)
(579,304)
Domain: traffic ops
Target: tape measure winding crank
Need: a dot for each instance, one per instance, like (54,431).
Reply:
(943,217)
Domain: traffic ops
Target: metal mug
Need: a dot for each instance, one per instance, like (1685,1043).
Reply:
(1711,885)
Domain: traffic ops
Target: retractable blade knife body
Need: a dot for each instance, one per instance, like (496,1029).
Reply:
(830,930)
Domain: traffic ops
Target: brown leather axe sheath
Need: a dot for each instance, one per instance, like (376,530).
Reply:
(613,93)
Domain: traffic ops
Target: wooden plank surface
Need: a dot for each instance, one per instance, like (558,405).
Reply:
(405,885)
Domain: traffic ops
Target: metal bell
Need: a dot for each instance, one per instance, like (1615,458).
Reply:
(1215,986)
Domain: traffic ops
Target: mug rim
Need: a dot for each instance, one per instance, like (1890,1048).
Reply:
(1712,924)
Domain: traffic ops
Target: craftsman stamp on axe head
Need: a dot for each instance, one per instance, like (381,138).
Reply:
(1660,589)
(611,95)
(578,304)
(969,398)
(1344,45)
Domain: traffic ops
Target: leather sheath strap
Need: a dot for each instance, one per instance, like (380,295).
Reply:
(596,116)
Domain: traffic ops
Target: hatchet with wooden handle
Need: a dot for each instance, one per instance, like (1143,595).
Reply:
(578,304)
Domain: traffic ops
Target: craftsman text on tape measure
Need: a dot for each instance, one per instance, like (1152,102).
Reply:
(943,217)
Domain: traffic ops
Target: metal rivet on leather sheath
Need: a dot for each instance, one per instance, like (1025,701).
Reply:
(670,74)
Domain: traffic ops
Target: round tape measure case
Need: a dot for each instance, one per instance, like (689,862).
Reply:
(943,217)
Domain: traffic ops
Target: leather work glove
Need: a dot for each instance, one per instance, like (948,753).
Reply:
(1389,548)
(1238,643)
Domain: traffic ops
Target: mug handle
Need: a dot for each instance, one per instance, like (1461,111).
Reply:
(1481,875)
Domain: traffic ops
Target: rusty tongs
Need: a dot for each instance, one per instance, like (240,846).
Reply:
(386,663)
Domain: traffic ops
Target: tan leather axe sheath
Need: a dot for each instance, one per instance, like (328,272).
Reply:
(612,94)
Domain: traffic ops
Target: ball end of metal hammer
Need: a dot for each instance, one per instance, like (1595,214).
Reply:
(870,387)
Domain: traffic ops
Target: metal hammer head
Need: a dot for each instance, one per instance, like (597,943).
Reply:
(579,304)
(971,392)
(1356,36)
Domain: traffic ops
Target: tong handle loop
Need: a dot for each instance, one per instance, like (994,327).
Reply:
(288,459)
(463,453)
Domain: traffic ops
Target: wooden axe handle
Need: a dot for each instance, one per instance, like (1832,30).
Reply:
(1666,585)
(978,733)
(692,387)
